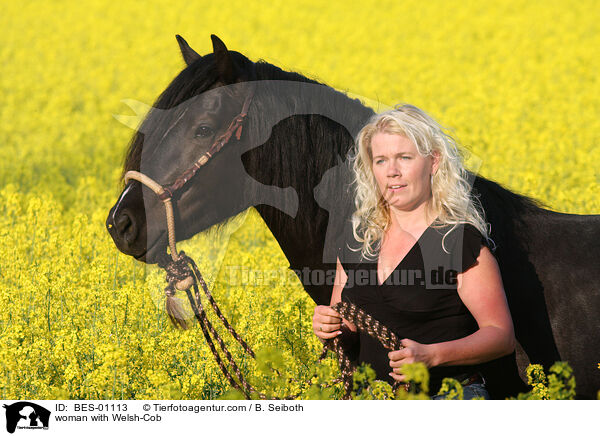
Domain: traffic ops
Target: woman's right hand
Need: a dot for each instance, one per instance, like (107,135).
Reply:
(326,322)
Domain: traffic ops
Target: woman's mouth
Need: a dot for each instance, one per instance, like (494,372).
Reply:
(396,188)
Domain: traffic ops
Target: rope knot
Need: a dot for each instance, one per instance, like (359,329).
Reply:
(179,277)
(179,274)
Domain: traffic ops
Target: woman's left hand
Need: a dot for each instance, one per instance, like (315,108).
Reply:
(412,352)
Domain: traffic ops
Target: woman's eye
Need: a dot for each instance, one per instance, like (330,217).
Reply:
(203,132)
(406,157)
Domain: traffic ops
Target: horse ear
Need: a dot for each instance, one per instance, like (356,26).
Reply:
(189,55)
(223,60)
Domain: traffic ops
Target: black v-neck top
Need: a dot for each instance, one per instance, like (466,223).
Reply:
(419,299)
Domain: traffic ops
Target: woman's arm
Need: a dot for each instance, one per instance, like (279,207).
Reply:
(336,295)
(326,321)
(480,289)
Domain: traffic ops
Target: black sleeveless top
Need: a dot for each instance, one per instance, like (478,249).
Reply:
(419,299)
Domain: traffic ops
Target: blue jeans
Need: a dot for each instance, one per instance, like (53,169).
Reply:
(469,392)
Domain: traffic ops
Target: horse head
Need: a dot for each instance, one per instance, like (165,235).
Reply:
(186,121)
(295,130)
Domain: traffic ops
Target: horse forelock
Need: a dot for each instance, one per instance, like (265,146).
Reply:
(190,82)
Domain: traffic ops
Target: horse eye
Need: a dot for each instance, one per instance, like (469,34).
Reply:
(203,132)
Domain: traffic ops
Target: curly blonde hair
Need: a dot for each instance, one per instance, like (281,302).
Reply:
(451,200)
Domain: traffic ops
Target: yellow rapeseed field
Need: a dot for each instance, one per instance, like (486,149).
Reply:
(517,81)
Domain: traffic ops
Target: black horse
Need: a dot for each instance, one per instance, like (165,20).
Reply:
(297,134)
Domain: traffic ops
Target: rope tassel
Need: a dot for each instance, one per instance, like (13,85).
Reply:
(179,277)
(175,310)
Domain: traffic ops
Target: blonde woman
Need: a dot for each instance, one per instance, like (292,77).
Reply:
(421,241)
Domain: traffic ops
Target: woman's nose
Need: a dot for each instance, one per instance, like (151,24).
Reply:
(393,170)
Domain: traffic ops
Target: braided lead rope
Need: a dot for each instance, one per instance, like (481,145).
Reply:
(215,306)
(221,343)
(228,326)
(208,328)
(201,317)
(373,328)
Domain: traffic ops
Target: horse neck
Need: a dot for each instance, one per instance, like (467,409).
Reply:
(298,152)
(302,236)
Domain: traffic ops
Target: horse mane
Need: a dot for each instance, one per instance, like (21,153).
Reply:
(301,148)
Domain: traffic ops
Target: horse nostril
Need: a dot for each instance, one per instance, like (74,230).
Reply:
(123,222)
(126,227)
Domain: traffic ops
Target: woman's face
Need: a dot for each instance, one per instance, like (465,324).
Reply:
(402,174)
